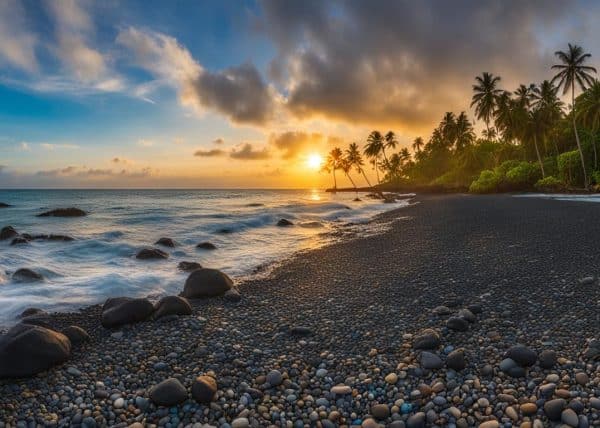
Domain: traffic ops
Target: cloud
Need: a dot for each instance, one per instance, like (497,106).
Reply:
(219,141)
(293,143)
(239,93)
(95,173)
(17,45)
(49,146)
(122,161)
(247,152)
(402,63)
(24,146)
(210,153)
(145,143)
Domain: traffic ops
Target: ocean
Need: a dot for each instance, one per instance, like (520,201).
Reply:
(101,263)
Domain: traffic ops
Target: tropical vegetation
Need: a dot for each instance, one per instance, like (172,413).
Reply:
(531,139)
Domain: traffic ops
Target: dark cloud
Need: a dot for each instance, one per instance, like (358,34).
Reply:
(292,143)
(210,153)
(404,62)
(219,141)
(247,152)
(83,172)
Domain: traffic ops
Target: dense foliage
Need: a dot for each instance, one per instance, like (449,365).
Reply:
(531,139)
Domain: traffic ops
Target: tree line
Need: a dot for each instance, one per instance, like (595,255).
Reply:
(531,138)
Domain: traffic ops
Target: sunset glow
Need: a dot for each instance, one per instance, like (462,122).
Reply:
(314,161)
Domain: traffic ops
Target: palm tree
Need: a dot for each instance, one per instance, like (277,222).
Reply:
(463,132)
(504,116)
(545,98)
(418,144)
(373,149)
(355,158)
(573,70)
(333,162)
(489,134)
(448,129)
(346,167)
(485,96)
(390,142)
(588,112)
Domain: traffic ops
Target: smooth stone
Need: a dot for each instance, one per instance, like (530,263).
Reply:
(189,266)
(554,408)
(416,421)
(206,246)
(547,359)
(240,423)
(76,334)
(172,305)
(206,283)
(547,390)
(456,360)
(380,411)
(489,424)
(457,324)
(151,254)
(528,409)
(467,315)
(63,212)
(522,355)
(569,417)
(232,296)
(284,223)
(125,310)
(27,275)
(165,242)
(274,378)
(341,390)
(204,389)
(7,232)
(507,364)
(582,378)
(427,339)
(430,361)
(391,378)
(169,392)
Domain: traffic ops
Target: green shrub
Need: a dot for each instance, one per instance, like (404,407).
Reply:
(596,177)
(569,167)
(550,184)
(522,176)
(487,182)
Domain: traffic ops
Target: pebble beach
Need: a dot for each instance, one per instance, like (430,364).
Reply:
(465,311)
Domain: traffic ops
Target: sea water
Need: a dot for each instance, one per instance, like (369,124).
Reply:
(101,261)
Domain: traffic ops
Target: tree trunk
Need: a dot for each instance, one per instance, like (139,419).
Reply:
(353,184)
(537,151)
(334,181)
(376,170)
(585,180)
(366,179)
(595,153)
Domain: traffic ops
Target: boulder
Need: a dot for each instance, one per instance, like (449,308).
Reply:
(7,232)
(189,266)
(125,310)
(427,339)
(284,223)
(29,349)
(206,283)
(204,389)
(27,275)
(522,355)
(76,334)
(457,324)
(19,240)
(41,320)
(31,311)
(151,254)
(172,305)
(4,205)
(232,295)
(64,212)
(168,393)
(206,246)
(167,242)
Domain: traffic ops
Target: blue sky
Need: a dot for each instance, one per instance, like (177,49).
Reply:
(240,93)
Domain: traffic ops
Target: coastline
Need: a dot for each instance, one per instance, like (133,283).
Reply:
(362,302)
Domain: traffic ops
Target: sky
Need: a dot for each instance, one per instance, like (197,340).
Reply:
(211,94)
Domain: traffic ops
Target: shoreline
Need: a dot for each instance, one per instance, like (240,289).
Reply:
(361,304)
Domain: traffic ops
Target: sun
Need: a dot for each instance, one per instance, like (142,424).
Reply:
(314,161)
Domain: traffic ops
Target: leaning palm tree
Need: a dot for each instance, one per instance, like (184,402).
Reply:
(390,142)
(346,167)
(373,150)
(418,144)
(571,71)
(355,158)
(588,112)
(332,163)
(484,99)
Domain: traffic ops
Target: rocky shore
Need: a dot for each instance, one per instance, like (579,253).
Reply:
(470,311)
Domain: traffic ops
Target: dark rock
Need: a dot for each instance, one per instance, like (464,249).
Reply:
(125,310)
(232,296)
(206,246)
(224,231)
(475,308)
(284,223)
(31,311)
(64,212)
(151,253)
(167,242)
(380,411)
(427,339)
(442,310)
(64,238)
(457,324)
(42,320)
(547,359)
(76,334)
(28,349)
(554,408)
(301,331)
(189,266)
(416,421)
(172,305)
(3,205)
(592,351)
(7,232)
(19,240)
(467,315)
(27,275)
(204,389)
(431,361)
(206,283)
(522,355)
(168,393)
(456,360)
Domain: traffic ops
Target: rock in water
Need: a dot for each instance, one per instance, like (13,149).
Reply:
(457,324)
(456,360)
(206,246)
(427,339)
(522,355)
(29,349)
(284,223)
(125,310)
(168,393)
(167,242)
(64,212)
(19,240)
(204,389)
(151,253)
(76,334)
(206,283)
(4,205)
(7,232)
(189,266)
(27,275)
(31,311)
(172,305)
